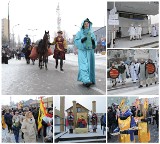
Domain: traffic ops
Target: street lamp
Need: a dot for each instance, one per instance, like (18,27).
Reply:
(13,32)
(33,31)
(8,27)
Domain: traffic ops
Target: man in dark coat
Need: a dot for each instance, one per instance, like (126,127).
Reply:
(8,120)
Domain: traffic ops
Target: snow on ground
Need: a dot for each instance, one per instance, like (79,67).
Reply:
(126,43)
(67,135)
(72,59)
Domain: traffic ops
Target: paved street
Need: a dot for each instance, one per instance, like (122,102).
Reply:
(9,138)
(153,132)
(18,78)
(132,89)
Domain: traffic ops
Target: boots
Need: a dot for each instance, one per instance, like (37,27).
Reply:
(61,65)
(94,130)
(71,131)
(56,63)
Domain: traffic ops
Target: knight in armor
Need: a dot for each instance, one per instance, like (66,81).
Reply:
(143,126)
(60,49)
(125,123)
(70,119)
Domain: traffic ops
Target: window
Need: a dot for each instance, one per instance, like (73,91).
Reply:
(78,109)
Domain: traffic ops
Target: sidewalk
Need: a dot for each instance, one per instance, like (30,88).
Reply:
(146,42)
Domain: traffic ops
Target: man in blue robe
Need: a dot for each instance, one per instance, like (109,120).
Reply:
(86,43)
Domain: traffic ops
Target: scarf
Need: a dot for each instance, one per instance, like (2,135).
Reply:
(86,31)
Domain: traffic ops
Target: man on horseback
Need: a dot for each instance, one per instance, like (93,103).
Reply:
(27,48)
(27,40)
(60,49)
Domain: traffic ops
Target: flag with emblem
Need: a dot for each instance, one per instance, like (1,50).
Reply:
(42,113)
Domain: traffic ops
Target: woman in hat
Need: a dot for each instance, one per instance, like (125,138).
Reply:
(86,42)
(29,128)
(60,49)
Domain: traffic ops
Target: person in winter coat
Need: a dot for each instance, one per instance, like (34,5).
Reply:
(29,128)
(102,121)
(86,43)
(3,122)
(16,127)
(8,120)
(122,71)
(70,119)
(151,78)
(60,49)
(142,73)
(157,118)
(94,120)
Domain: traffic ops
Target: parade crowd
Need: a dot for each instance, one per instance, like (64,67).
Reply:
(24,122)
(137,71)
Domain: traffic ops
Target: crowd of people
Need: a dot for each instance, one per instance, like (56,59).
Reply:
(115,114)
(137,71)
(24,122)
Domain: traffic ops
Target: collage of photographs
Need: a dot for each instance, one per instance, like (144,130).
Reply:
(59,78)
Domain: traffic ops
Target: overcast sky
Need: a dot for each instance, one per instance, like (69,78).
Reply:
(18,98)
(41,15)
(84,100)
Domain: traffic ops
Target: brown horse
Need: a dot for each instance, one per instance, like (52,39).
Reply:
(43,50)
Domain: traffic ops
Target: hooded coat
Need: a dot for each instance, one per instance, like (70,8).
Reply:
(86,58)
(29,130)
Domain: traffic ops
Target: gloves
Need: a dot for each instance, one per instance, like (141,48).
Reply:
(93,42)
(65,50)
(83,39)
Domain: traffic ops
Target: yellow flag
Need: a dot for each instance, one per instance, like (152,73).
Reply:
(146,103)
(122,103)
(137,102)
(42,113)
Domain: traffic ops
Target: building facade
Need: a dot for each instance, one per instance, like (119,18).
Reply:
(5,28)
